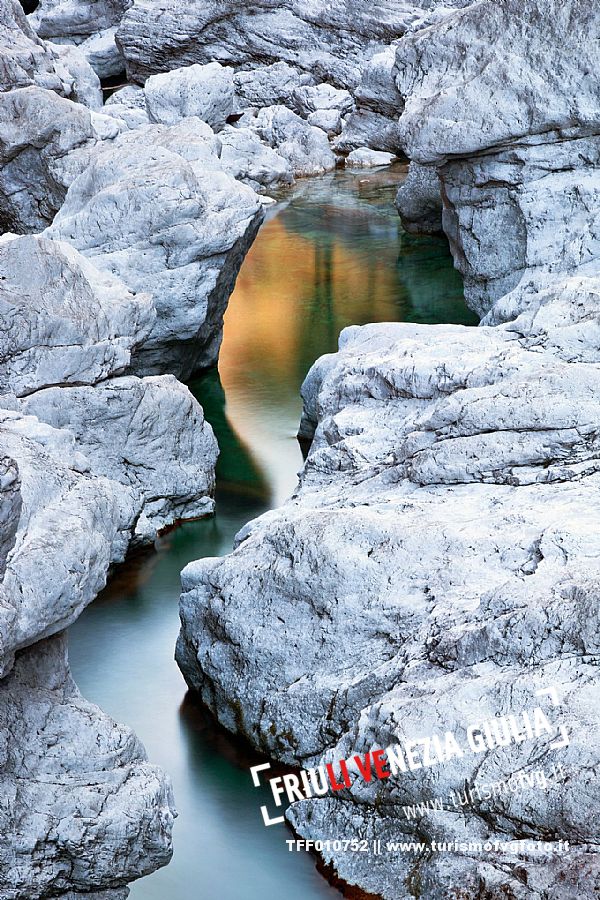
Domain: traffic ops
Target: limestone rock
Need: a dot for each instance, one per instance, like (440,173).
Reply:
(329,40)
(244,156)
(77,19)
(102,53)
(271,85)
(120,213)
(99,460)
(10,506)
(364,158)
(25,59)
(202,91)
(510,215)
(129,105)
(85,82)
(525,132)
(42,137)
(72,525)
(146,433)
(437,565)
(365,633)
(308,100)
(419,200)
(305,147)
(107,813)
(63,320)
(377,89)
(328,120)
(527,81)
(366,128)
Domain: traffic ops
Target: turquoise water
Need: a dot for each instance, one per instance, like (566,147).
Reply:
(332,253)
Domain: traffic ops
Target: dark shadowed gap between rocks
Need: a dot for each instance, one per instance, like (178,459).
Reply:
(331,253)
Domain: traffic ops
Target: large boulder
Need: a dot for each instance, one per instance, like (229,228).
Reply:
(129,427)
(44,141)
(71,774)
(202,91)
(244,156)
(63,321)
(129,105)
(459,87)
(77,19)
(444,537)
(523,132)
(25,59)
(155,208)
(305,147)
(328,40)
(71,526)
(271,85)
(375,123)
(419,200)
(90,25)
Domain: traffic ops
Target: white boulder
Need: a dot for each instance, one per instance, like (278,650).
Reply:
(202,91)
(305,147)
(364,158)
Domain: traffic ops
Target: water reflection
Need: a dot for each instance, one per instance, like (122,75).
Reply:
(330,255)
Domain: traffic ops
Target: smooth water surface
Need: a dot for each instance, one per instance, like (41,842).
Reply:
(331,254)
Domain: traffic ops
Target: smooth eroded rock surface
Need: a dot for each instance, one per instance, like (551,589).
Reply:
(155,208)
(71,775)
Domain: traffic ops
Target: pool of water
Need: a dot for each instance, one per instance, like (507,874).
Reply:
(331,253)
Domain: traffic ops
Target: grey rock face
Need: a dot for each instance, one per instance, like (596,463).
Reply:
(107,812)
(120,214)
(271,85)
(305,147)
(77,19)
(366,128)
(510,214)
(419,200)
(90,25)
(377,89)
(41,136)
(129,106)
(99,460)
(375,124)
(10,506)
(63,320)
(102,53)
(129,427)
(309,99)
(25,59)
(244,156)
(71,526)
(545,79)
(202,91)
(494,159)
(328,40)
(438,511)
(85,82)
(42,133)
(281,50)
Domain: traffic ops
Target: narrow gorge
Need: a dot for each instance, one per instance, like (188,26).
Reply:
(195,204)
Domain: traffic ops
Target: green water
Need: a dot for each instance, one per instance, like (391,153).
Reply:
(331,254)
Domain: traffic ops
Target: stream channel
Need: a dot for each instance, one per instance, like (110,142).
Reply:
(331,253)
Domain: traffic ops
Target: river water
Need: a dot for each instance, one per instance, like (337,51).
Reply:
(331,253)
